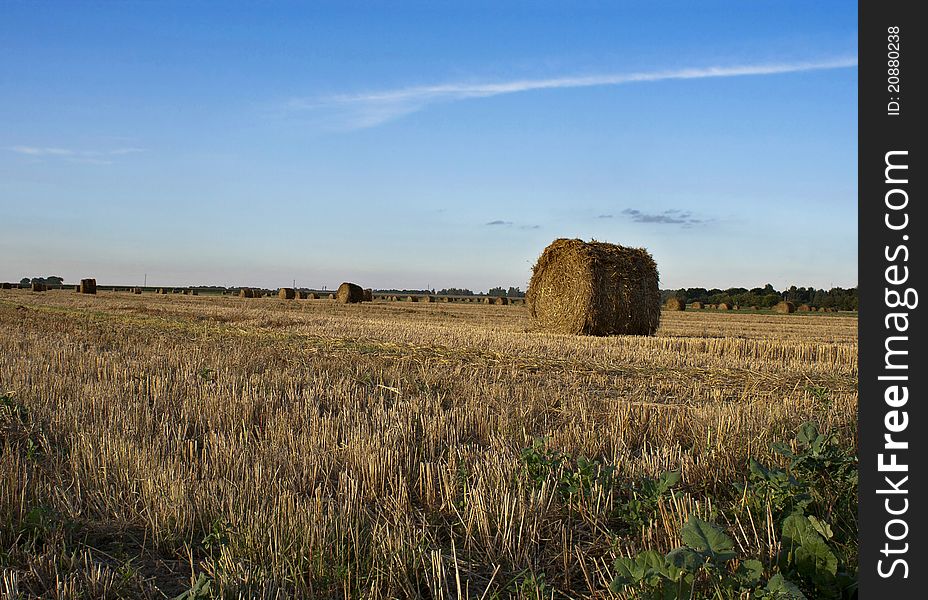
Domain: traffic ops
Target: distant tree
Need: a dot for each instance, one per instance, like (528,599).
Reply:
(455,292)
(25,281)
(497,291)
(54,280)
(515,292)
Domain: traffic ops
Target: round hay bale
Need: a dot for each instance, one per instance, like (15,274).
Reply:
(426,298)
(88,286)
(349,293)
(501,301)
(486,300)
(137,290)
(368,295)
(194,293)
(595,288)
(248,293)
(286,293)
(674,303)
(312,296)
(724,306)
(803,308)
(6,286)
(696,305)
(753,308)
(411,299)
(784,307)
(38,287)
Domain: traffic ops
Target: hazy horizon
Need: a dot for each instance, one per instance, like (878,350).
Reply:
(242,144)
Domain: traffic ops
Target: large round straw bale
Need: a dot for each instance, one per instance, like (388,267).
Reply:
(368,295)
(349,293)
(674,303)
(724,306)
(804,308)
(696,305)
(287,293)
(753,308)
(595,288)
(6,285)
(412,299)
(501,300)
(88,286)
(248,293)
(784,307)
(312,296)
(426,298)
(38,287)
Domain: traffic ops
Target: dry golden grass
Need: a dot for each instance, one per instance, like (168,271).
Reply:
(372,450)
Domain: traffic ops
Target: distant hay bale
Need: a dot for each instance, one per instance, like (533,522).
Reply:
(674,303)
(411,299)
(88,286)
(486,300)
(185,292)
(784,307)
(736,307)
(804,308)
(312,296)
(753,308)
(426,298)
(501,301)
(137,290)
(248,293)
(6,286)
(77,288)
(349,293)
(162,291)
(194,293)
(38,287)
(696,305)
(724,306)
(594,288)
(287,293)
(368,295)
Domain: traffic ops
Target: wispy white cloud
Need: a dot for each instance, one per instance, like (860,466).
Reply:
(94,157)
(374,108)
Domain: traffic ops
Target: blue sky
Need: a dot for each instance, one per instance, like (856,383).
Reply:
(426,144)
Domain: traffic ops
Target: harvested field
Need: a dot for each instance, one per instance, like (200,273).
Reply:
(318,449)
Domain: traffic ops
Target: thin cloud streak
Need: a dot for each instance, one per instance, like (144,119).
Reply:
(68,153)
(375,108)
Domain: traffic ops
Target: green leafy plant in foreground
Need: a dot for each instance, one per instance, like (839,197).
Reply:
(818,484)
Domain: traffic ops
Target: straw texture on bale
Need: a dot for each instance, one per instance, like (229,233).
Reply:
(784,307)
(804,308)
(368,295)
(736,307)
(501,301)
(88,286)
(724,306)
(594,288)
(426,298)
(411,299)
(312,296)
(287,293)
(696,305)
(349,293)
(674,303)
(247,293)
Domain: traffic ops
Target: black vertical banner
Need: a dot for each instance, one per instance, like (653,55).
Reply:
(893,420)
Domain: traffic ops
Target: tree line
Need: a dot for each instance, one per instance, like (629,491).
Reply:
(767,296)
